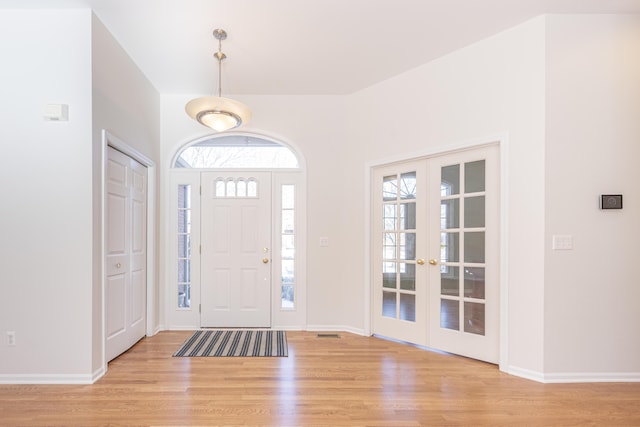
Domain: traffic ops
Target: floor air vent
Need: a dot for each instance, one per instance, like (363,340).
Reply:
(328,336)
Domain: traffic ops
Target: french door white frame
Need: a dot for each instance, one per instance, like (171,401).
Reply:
(110,140)
(502,141)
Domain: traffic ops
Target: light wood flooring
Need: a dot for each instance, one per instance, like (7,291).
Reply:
(345,381)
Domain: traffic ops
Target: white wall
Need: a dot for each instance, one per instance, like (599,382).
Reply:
(45,255)
(494,86)
(51,251)
(592,295)
(128,106)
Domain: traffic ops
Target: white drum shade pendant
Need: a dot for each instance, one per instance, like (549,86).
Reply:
(216,112)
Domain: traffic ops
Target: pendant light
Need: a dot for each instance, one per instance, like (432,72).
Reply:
(216,112)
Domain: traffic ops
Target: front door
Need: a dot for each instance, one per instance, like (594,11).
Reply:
(435,263)
(236,249)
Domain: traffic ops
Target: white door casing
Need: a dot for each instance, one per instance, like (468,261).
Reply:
(236,249)
(125,252)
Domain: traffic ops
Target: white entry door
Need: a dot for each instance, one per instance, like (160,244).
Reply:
(236,249)
(435,264)
(126,252)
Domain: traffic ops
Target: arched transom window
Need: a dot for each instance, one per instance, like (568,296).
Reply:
(236,152)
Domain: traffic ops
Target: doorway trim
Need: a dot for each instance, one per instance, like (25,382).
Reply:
(502,140)
(151,328)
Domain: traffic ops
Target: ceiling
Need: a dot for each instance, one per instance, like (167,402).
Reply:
(295,47)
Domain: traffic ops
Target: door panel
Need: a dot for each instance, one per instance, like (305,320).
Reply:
(399,293)
(125,252)
(464,267)
(236,262)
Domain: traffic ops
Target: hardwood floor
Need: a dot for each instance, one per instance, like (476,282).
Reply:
(346,381)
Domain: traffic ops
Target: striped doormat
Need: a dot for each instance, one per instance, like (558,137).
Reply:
(220,343)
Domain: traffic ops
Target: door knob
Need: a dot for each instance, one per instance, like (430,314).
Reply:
(433,261)
(420,261)
(265,260)
(118,265)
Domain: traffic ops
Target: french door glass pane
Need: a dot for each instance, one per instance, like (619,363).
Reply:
(449,214)
(408,307)
(407,216)
(450,180)
(474,177)
(407,277)
(390,187)
(449,247)
(474,318)
(408,185)
(450,314)
(390,217)
(449,280)
(474,212)
(474,247)
(474,282)
(389,246)
(389,304)
(407,246)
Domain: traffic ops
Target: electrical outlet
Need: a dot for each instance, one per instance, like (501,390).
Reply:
(11,338)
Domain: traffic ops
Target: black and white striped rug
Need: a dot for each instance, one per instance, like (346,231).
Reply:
(234,343)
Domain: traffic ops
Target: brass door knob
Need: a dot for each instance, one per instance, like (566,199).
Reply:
(420,261)
(265,260)
(433,261)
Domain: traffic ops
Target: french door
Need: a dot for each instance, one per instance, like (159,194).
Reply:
(436,254)
(236,249)
(126,252)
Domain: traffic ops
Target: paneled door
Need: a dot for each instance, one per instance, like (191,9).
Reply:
(236,249)
(435,241)
(464,253)
(126,252)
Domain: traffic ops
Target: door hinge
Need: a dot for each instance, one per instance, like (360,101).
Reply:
(200,249)
(200,308)
(201,190)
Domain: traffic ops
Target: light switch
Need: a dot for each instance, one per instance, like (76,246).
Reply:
(324,242)
(562,242)
(56,112)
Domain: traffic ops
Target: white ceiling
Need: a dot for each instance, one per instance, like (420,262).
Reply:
(304,46)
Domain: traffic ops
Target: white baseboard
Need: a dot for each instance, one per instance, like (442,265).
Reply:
(575,377)
(593,377)
(47,379)
(525,373)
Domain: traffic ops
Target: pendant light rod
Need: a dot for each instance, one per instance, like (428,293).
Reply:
(220,35)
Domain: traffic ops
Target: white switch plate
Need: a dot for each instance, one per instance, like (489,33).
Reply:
(562,242)
(324,242)
(56,112)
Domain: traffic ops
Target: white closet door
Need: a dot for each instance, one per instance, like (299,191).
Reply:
(126,252)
